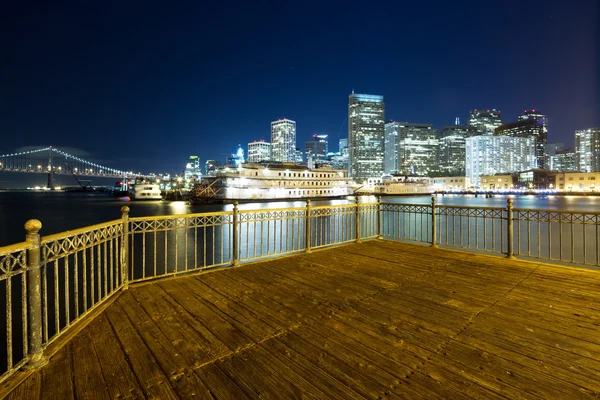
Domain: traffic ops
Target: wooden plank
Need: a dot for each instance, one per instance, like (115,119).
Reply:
(387,373)
(120,380)
(188,342)
(30,388)
(490,369)
(172,363)
(228,334)
(88,381)
(536,357)
(57,376)
(219,384)
(327,384)
(149,374)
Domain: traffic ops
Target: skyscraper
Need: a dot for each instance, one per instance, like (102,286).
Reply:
(390,148)
(417,149)
(317,148)
(587,149)
(283,140)
(489,155)
(192,168)
(451,155)
(485,121)
(366,116)
(530,124)
(259,151)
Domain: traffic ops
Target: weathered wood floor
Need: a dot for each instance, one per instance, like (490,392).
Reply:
(372,320)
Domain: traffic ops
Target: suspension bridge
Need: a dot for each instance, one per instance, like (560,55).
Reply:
(53,161)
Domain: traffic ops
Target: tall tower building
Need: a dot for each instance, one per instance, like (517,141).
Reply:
(317,148)
(259,151)
(451,155)
(485,121)
(587,149)
(530,124)
(390,147)
(283,140)
(192,168)
(417,149)
(366,116)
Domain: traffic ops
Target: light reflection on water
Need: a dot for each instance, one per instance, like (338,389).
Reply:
(65,211)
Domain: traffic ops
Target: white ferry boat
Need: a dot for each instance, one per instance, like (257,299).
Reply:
(273,181)
(145,191)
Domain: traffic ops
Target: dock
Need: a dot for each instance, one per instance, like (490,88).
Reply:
(377,320)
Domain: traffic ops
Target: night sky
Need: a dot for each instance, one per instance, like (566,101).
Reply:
(143,85)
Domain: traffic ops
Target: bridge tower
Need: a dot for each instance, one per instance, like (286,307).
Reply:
(50,184)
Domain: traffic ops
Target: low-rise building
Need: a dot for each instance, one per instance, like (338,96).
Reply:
(497,182)
(576,181)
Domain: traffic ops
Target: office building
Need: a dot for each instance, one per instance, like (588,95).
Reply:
(530,124)
(283,140)
(490,155)
(192,168)
(587,149)
(210,167)
(563,160)
(298,157)
(451,151)
(366,116)
(317,149)
(390,147)
(417,146)
(259,151)
(485,121)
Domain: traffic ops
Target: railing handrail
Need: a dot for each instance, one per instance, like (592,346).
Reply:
(65,234)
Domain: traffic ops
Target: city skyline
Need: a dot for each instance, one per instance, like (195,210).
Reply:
(145,87)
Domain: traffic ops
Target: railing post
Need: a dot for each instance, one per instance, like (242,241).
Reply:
(34,295)
(433,223)
(510,233)
(307,227)
(125,248)
(357,220)
(235,251)
(379,217)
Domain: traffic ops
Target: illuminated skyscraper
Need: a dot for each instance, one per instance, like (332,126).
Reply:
(530,124)
(192,168)
(451,156)
(366,116)
(417,149)
(283,140)
(485,121)
(587,149)
(490,155)
(317,148)
(390,148)
(259,151)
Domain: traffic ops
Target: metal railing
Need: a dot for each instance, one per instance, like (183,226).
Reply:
(52,282)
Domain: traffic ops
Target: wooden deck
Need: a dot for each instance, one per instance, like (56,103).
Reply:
(371,320)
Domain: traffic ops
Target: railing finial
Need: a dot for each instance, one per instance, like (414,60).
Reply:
(124,211)
(33,226)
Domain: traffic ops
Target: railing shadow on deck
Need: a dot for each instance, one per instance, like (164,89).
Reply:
(50,283)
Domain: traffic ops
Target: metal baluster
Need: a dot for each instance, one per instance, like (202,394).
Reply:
(125,248)
(433,223)
(34,263)
(572,238)
(307,227)
(234,252)
(357,220)
(510,229)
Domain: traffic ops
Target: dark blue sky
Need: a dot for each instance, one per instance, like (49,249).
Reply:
(142,85)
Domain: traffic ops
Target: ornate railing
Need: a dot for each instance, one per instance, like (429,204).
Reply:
(52,282)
